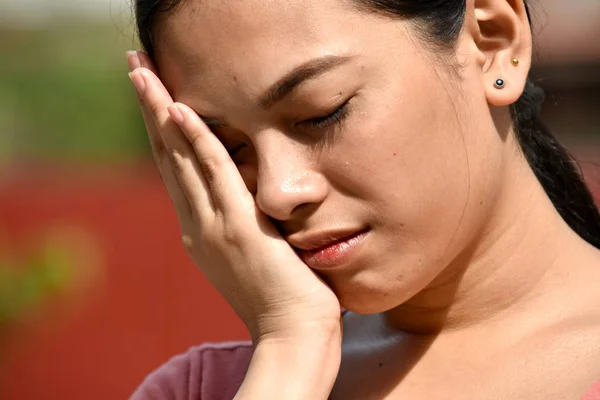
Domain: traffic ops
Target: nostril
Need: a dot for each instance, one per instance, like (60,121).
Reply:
(304,210)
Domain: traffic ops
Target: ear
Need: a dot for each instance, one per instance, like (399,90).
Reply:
(502,35)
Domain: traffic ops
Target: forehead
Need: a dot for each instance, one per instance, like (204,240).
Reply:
(249,42)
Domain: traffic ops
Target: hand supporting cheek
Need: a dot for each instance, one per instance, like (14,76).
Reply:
(234,244)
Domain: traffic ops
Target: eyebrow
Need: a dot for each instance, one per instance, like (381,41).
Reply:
(288,83)
(309,70)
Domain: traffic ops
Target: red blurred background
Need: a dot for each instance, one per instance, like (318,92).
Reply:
(142,300)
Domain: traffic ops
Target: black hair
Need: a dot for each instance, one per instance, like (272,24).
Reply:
(440,24)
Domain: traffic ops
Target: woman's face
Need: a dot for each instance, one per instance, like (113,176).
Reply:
(373,135)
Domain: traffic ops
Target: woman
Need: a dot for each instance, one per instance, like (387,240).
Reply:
(381,156)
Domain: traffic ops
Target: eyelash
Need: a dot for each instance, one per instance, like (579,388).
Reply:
(336,117)
(328,120)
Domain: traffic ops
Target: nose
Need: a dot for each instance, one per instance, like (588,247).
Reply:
(286,185)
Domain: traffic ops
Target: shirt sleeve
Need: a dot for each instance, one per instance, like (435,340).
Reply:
(207,372)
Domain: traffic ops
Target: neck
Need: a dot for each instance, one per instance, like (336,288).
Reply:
(525,261)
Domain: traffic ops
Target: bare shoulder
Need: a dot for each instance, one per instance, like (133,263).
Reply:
(566,355)
(563,360)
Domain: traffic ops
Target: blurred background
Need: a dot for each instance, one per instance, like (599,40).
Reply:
(95,289)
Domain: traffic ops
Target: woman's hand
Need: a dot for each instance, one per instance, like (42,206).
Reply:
(236,246)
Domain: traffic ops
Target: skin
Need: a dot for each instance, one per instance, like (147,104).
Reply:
(465,261)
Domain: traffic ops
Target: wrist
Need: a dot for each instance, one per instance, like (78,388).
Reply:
(303,367)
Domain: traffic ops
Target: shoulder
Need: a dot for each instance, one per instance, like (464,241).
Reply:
(213,371)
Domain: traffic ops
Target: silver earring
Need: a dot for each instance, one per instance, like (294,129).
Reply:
(499,83)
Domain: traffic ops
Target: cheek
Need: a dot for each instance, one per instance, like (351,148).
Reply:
(409,162)
(409,167)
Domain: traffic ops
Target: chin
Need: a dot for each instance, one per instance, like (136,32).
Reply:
(369,292)
(369,300)
(370,306)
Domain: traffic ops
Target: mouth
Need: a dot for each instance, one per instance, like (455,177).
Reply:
(328,250)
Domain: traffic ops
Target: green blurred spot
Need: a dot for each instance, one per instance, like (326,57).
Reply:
(24,287)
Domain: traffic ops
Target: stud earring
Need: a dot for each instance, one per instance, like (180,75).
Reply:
(499,83)
(515,62)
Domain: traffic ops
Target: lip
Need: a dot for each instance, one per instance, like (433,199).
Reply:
(326,250)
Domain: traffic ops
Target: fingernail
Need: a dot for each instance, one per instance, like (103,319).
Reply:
(175,113)
(138,82)
(133,60)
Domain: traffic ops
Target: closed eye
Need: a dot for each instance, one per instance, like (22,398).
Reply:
(328,120)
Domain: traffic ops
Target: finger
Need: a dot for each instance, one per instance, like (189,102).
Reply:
(181,155)
(225,183)
(137,59)
(169,177)
(178,198)
(153,131)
